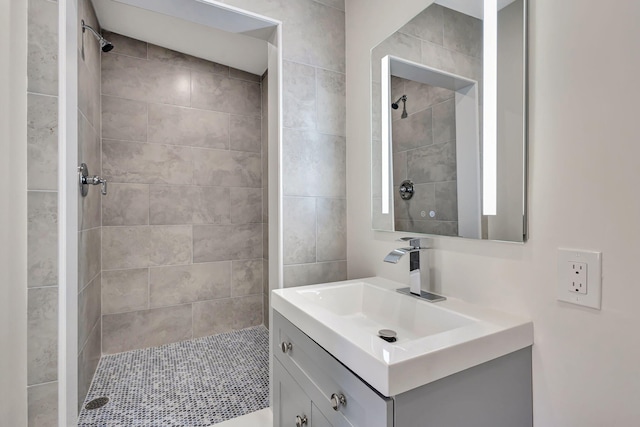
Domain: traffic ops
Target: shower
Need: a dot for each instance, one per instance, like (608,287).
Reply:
(403,98)
(105,44)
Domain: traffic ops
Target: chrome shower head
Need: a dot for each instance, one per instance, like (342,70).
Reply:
(105,44)
(395,106)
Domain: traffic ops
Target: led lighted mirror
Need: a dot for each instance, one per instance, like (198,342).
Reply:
(448,102)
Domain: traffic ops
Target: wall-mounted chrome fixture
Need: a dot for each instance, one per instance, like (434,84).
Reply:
(395,106)
(406,189)
(86,180)
(105,44)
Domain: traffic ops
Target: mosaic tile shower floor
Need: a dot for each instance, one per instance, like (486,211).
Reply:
(193,383)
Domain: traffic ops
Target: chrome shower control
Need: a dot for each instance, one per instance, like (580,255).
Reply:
(301,421)
(286,346)
(86,180)
(338,400)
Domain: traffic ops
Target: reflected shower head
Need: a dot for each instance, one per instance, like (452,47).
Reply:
(403,98)
(105,44)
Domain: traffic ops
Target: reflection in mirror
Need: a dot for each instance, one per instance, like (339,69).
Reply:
(428,82)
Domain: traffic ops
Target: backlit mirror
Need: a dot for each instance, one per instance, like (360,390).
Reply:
(448,109)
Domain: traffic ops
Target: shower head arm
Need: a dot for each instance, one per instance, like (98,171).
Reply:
(88,27)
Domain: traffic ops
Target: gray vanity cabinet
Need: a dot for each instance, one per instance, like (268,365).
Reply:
(497,393)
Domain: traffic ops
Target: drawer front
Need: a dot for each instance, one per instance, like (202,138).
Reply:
(321,375)
(290,401)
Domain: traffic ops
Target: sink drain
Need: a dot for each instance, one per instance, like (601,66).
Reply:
(388,335)
(96,403)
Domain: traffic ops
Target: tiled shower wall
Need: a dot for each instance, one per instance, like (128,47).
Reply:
(424,152)
(182,242)
(42,186)
(265,198)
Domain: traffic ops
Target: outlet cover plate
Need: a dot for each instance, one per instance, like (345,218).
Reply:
(593,297)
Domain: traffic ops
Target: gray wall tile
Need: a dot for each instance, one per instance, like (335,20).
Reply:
(444,122)
(89,258)
(331,87)
(43,405)
(125,290)
(189,205)
(227,168)
(246,205)
(427,25)
(440,228)
(42,238)
(226,242)
(89,153)
(413,132)
(89,310)
(299,95)
(315,164)
(124,119)
(143,80)
(126,45)
(219,93)
(422,95)
(247,277)
(451,61)
(89,92)
(433,163)
(446,200)
(42,51)
(398,44)
(243,75)
(169,245)
(338,4)
(309,274)
(169,124)
(189,283)
(149,328)
(88,360)
(146,163)
(245,133)
(217,316)
(42,335)
(332,229)
(168,56)
(462,33)
(42,142)
(126,204)
(299,234)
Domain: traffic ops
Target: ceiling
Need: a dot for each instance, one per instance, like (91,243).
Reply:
(471,7)
(194,27)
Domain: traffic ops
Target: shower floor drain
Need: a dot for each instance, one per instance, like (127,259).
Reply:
(97,403)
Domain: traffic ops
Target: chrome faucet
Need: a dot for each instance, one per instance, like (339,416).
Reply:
(418,268)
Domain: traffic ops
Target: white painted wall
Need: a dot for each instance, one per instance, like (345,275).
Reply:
(583,189)
(13,213)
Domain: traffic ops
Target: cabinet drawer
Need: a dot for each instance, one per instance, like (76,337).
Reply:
(290,401)
(321,375)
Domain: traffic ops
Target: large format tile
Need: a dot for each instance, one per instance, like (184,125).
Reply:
(315,164)
(427,25)
(462,33)
(227,168)
(42,335)
(144,80)
(226,242)
(332,229)
(125,290)
(169,124)
(42,142)
(148,328)
(169,245)
(433,163)
(89,310)
(244,132)
(309,274)
(243,75)
(89,153)
(168,56)
(42,51)
(146,163)
(338,4)
(398,44)
(189,283)
(217,316)
(42,238)
(89,255)
(219,93)
(43,405)
(423,200)
(246,205)
(413,132)
(90,50)
(422,95)
(299,235)
(126,45)
(451,61)
(189,205)
(444,122)
(447,200)
(332,115)
(299,95)
(88,360)
(126,204)
(89,92)
(246,277)
(124,119)
(440,228)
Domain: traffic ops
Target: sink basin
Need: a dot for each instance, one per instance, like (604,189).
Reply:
(434,340)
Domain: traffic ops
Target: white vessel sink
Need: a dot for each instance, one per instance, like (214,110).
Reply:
(434,340)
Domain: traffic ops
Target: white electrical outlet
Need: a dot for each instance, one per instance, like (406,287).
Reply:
(580,277)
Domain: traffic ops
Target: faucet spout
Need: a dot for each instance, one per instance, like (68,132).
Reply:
(394,256)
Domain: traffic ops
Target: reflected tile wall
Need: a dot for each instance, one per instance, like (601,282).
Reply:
(183,220)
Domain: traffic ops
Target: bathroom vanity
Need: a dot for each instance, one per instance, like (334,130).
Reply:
(453,364)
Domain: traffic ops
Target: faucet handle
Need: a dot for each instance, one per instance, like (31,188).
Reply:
(416,242)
